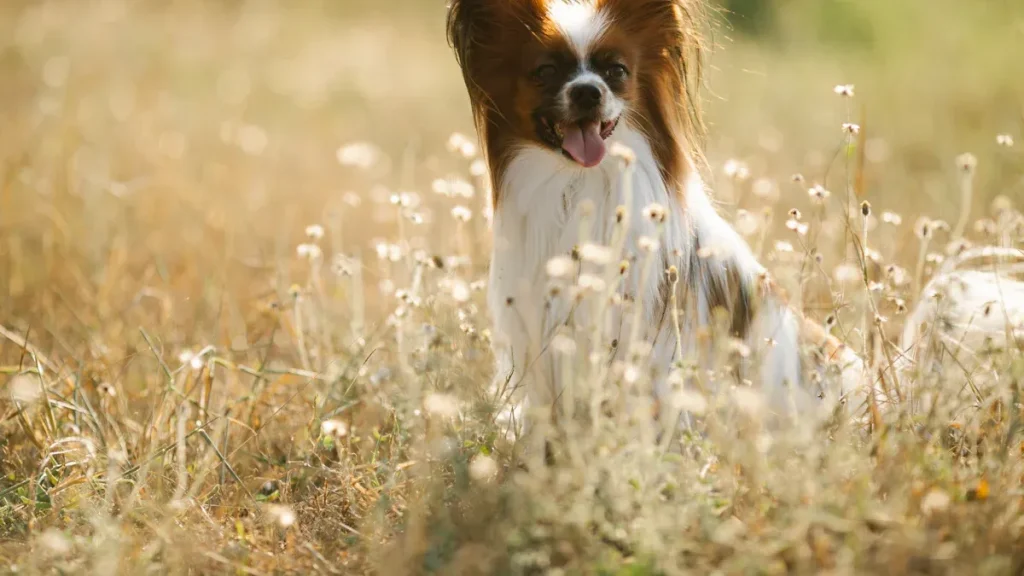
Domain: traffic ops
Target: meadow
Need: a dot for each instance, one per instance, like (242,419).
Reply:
(243,262)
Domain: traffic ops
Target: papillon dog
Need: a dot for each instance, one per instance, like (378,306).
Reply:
(588,118)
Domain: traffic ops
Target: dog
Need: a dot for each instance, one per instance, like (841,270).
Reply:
(588,117)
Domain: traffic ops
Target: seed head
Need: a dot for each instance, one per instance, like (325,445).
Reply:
(746,223)
(596,254)
(986,226)
(655,213)
(361,155)
(624,153)
(967,163)
(314,232)
(441,405)
(462,213)
(1001,205)
(901,306)
(818,193)
(24,389)
(846,274)
(281,515)
(559,267)
(563,344)
(648,244)
(892,218)
(673,274)
(924,228)
(1005,140)
(483,468)
(587,208)
(591,282)
(766,189)
(844,90)
(309,252)
(335,428)
(478,168)
(735,169)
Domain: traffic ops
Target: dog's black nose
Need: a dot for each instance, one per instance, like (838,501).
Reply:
(585,96)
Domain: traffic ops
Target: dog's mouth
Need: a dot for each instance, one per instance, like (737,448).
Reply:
(581,141)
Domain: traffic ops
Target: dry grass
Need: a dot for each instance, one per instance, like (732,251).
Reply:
(193,381)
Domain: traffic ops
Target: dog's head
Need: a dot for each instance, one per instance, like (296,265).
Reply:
(562,74)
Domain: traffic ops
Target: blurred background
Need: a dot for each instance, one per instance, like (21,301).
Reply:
(157,155)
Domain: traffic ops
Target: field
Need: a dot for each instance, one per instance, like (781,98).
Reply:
(243,253)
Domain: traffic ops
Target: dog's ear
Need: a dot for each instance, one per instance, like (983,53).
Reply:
(476,25)
(487,36)
(463,19)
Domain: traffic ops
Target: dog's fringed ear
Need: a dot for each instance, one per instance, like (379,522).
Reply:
(472,24)
(462,16)
(481,31)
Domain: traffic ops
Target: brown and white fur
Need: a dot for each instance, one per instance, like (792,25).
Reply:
(555,85)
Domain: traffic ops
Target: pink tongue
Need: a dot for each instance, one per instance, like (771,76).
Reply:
(584,143)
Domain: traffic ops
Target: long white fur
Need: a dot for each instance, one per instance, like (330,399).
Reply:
(973,306)
(539,217)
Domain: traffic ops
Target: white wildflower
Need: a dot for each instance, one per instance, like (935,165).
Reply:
(935,501)
(559,267)
(563,344)
(648,244)
(596,254)
(483,468)
(460,188)
(623,152)
(735,169)
(314,232)
(358,155)
(460,291)
(336,428)
(309,251)
(846,274)
(441,405)
(690,401)
(746,223)
(655,213)
(462,213)
(892,218)
(844,90)
(967,162)
(591,282)
(478,168)
(748,400)
(24,389)
(766,189)
(818,193)
(281,515)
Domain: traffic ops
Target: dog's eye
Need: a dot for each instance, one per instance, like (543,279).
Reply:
(616,72)
(544,72)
